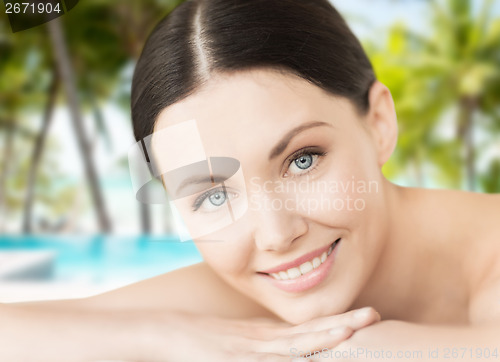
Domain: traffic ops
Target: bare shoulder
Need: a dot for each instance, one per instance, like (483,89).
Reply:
(470,225)
(478,219)
(195,289)
(474,214)
(474,218)
(481,215)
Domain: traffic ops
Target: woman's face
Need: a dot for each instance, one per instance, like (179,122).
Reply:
(311,171)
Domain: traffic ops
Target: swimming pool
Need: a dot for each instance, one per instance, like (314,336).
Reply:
(106,259)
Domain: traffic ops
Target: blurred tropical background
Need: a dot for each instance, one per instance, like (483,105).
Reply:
(69,222)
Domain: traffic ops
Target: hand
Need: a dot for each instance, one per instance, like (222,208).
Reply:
(192,337)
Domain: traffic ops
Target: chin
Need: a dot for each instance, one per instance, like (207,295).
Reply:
(302,312)
(299,319)
(315,306)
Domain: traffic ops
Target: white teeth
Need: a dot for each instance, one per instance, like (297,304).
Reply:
(323,257)
(293,273)
(283,275)
(306,267)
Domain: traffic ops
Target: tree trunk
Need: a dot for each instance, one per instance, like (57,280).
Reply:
(37,154)
(5,170)
(66,74)
(466,133)
(99,121)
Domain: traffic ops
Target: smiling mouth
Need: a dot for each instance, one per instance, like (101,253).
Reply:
(304,268)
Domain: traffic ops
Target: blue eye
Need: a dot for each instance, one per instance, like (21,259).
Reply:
(213,199)
(304,162)
(217,198)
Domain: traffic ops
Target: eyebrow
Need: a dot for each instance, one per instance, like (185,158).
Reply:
(285,140)
(200,180)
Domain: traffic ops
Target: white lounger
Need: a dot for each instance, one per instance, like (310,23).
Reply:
(26,265)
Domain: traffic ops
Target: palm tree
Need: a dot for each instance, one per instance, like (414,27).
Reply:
(38,152)
(13,96)
(66,72)
(19,95)
(456,67)
(5,170)
(113,39)
(88,66)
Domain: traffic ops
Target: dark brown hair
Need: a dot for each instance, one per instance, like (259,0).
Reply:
(307,38)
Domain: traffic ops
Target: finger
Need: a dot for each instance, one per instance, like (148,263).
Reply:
(310,341)
(255,328)
(354,319)
(267,357)
(269,329)
(264,322)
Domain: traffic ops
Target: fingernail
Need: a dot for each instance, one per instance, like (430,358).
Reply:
(337,331)
(363,313)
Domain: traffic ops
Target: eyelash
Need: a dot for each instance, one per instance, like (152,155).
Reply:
(204,196)
(303,152)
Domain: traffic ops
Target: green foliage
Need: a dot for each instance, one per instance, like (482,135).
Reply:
(442,73)
(104,37)
(490,181)
(430,74)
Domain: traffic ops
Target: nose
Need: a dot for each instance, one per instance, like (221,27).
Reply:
(276,228)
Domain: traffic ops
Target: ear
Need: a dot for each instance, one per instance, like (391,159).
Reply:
(382,121)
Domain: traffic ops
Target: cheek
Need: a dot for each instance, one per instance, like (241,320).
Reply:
(344,195)
(226,257)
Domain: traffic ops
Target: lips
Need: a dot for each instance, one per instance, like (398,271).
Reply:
(299,261)
(295,279)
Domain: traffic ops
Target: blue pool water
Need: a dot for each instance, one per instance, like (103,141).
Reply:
(104,258)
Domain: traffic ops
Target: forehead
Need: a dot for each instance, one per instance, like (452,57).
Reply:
(245,110)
